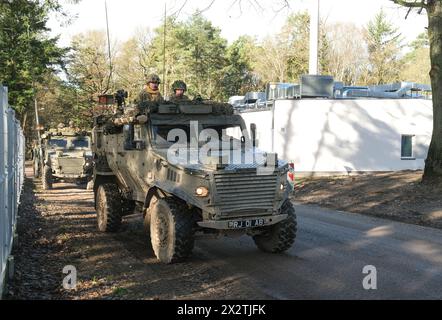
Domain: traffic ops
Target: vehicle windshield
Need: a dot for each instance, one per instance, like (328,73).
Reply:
(224,132)
(80,143)
(57,143)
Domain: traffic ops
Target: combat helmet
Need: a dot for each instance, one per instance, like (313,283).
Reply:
(153,78)
(179,84)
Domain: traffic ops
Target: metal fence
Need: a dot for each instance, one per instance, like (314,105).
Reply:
(12,157)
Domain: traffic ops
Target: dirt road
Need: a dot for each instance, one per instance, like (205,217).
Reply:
(57,228)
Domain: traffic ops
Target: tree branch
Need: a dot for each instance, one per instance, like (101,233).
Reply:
(208,7)
(408,4)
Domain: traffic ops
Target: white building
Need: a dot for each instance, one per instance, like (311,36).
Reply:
(337,136)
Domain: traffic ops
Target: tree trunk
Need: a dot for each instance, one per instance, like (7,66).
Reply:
(433,163)
(25,118)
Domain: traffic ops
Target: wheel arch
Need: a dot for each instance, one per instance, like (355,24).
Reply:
(153,191)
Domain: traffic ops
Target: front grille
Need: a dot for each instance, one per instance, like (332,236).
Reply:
(173,176)
(71,165)
(245,192)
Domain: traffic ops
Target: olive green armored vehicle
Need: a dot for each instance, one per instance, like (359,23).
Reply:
(66,155)
(193,172)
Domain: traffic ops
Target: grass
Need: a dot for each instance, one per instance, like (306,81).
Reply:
(118,291)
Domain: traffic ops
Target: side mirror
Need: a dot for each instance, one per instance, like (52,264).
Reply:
(253,133)
(128,134)
(132,138)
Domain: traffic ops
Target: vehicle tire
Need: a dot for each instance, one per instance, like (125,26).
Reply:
(47,178)
(146,221)
(90,185)
(171,229)
(36,168)
(108,204)
(281,236)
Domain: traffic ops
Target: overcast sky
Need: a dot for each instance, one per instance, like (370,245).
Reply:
(125,16)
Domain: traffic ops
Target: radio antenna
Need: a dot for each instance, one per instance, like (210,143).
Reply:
(108,47)
(164,50)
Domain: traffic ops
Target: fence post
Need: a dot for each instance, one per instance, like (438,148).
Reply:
(3,185)
(11,180)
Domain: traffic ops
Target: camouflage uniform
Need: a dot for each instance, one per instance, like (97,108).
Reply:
(177,100)
(179,85)
(149,95)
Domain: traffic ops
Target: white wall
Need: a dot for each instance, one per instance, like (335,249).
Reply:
(334,136)
(263,121)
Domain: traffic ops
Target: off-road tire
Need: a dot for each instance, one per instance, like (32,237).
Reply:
(171,229)
(46,178)
(36,169)
(90,184)
(281,236)
(108,208)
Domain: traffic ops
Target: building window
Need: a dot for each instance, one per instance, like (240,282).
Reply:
(407,147)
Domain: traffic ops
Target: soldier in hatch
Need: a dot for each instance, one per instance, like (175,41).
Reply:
(151,92)
(179,88)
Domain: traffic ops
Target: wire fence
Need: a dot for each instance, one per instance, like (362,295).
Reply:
(12,169)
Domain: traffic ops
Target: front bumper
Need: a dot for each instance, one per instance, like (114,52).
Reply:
(71,176)
(224,224)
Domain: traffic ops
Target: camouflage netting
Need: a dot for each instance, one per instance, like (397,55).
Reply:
(66,132)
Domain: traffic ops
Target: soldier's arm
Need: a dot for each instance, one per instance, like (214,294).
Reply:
(141,97)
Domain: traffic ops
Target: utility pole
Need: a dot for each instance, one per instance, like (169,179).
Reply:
(314,37)
(37,120)
(34,90)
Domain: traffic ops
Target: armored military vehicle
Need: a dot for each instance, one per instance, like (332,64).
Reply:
(66,155)
(183,192)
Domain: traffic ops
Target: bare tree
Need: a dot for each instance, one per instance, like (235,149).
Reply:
(348,56)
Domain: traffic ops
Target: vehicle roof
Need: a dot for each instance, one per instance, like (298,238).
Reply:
(204,118)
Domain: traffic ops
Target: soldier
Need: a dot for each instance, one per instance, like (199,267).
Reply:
(72,126)
(179,88)
(151,92)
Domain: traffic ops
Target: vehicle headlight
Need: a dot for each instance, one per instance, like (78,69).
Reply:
(202,192)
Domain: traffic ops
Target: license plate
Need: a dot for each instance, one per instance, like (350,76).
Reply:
(250,223)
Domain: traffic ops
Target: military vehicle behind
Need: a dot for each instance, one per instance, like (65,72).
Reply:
(182,196)
(65,155)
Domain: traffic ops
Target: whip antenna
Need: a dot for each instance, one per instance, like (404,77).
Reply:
(164,50)
(108,47)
